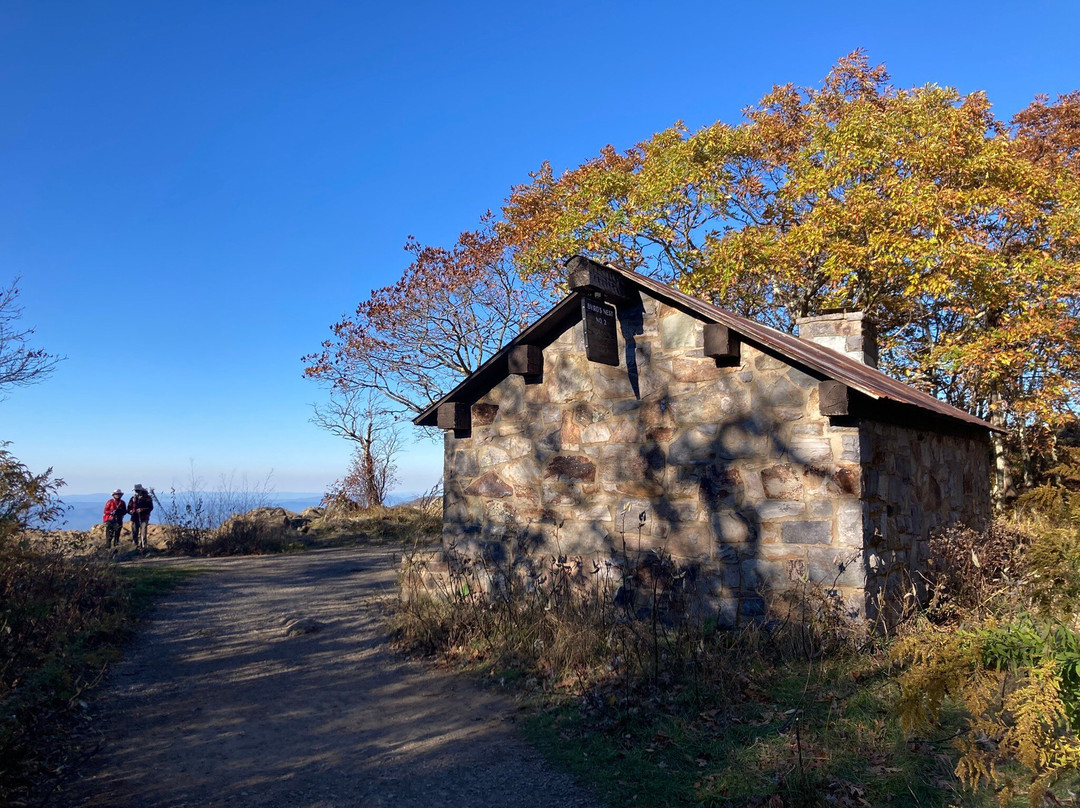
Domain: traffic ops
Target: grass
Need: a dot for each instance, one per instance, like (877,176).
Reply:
(252,535)
(644,707)
(795,734)
(649,708)
(65,616)
(379,527)
(148,584)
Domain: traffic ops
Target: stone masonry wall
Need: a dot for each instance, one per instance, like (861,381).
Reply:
(916,483)
(729,469)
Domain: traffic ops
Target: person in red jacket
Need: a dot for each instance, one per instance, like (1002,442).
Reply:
(139,506)
(115,509)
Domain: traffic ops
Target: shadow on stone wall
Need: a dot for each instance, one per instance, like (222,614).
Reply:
(662,484)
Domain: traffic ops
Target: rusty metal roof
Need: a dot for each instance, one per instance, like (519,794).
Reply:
(867,380)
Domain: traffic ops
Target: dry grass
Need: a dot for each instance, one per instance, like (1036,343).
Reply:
(399,526)
(63,617)
(658,705)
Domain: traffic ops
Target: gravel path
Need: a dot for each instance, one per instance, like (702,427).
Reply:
(215,705)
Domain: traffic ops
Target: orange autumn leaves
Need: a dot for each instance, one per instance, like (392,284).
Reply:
(410,342)
(957,232)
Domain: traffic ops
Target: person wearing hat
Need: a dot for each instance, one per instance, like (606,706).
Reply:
(114,518)
(139,507)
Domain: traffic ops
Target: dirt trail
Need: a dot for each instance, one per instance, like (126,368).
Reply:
(214,705)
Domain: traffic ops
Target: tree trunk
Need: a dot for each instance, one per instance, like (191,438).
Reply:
(1003,487)
(373,491)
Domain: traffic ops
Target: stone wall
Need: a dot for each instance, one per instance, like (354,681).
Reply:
(731,470)
(917,482)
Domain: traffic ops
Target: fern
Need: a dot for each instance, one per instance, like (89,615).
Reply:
(1020,686)
(1057,498)
(1045,499)
(1016,673)
(1006,648)
(1053,562)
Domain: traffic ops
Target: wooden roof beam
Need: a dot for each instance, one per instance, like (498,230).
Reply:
(834,398)
(455,415)
(722,344)
(526,360)
(587,276)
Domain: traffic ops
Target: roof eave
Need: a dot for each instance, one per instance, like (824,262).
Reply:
(865,379)
(826,361)
(538,330)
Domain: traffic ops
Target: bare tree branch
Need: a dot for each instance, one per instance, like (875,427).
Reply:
(20,364)
(372,470)
(411,342)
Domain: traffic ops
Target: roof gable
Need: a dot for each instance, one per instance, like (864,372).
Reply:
(867,380)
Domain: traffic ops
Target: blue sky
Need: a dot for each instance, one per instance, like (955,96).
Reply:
(192,192)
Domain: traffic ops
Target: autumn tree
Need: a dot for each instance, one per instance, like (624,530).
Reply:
(26,499)
(411,342)
(958,233)
(408,343)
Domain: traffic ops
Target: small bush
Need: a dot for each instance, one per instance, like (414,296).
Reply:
(249,534)
(56,614)
(971,571)
(400,526)
(192,518)
(1005,647)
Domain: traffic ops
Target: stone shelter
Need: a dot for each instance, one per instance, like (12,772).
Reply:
(631,415)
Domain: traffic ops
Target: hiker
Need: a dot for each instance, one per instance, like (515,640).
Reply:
(139,506)
(115,509)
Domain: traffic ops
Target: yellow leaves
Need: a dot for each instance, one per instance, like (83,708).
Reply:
(1038,734)
(937,663)
(914,204)
(1016,679)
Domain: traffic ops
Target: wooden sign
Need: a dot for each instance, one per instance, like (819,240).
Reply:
(601,340)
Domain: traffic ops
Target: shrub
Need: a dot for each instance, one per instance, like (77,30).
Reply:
(399,526)
(193,519)
(1057,498)
(251,534)
(626,623)
(1007,651)
(971,571)
(55,614)
(26,499)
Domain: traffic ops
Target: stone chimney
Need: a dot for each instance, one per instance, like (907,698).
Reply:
(848,332)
